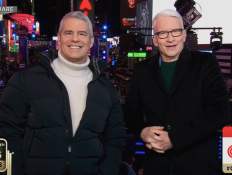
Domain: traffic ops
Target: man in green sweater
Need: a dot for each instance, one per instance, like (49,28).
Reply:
(185,101)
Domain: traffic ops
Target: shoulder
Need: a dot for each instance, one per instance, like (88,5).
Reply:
(106,82)
(32,68)
(205,60)
(202,55)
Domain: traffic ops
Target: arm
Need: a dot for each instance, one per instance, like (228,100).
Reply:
(114,137)
(13,112)
(215,110)
(133,108)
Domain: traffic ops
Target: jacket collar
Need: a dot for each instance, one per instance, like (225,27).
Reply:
(96,66)
(180,70)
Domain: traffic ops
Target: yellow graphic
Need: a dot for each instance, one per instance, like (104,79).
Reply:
(5,157)
(1,17)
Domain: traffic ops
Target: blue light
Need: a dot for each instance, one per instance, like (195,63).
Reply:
(104,36)
(220,137)
(33,35)
(113,63)
(12,25)
(220,141)
(13,34)
(209,51)
(220,157)
(138,143)
(220,149)
(34,26)
(103,51)
(139,152)
(220,153)
(104,27)
(220,145)
(104,57)
(46,50)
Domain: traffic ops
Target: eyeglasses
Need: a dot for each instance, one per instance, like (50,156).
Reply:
(164,34)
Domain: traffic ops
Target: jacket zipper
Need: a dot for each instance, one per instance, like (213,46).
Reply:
(66,128)
(86,103)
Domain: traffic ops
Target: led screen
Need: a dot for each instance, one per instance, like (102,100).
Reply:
(137,54)
(214,14)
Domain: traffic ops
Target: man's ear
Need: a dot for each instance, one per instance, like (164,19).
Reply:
(91,41)
(155,41)
(184,35)
(58,38)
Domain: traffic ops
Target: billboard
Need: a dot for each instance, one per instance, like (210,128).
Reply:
(144,20)
(128,13)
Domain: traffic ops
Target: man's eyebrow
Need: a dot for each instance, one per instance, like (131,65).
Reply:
(167,30)
(68,31)
(82,32)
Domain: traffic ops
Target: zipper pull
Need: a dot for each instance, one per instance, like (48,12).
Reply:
(69,149)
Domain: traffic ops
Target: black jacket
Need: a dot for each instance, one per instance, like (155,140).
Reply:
(192,112)
(35,119)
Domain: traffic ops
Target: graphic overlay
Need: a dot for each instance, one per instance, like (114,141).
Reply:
(5,157)
(7,10)
(227,149)
(3,11)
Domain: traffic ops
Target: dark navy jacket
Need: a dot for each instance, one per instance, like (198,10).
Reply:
(35,119)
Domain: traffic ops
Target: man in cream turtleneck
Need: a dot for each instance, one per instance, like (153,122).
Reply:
(75,78)
(61,116)
(71,66)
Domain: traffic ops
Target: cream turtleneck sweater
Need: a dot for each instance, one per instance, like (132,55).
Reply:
(75,78)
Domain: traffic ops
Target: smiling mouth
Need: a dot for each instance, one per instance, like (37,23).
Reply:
(75,47)
(171,46)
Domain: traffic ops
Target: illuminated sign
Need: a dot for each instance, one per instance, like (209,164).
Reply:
(87,7)
(26,20)
(37,26)
(9,34)
(137,54)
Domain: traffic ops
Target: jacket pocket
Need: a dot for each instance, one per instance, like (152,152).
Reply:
(28,139)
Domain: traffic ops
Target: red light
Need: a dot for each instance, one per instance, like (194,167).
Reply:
(85,13)
(6,58)
(85,5)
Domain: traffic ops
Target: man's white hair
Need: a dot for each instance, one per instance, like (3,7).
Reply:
(167,13)
(78,15)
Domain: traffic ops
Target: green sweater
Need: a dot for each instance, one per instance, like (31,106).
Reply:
(167,70)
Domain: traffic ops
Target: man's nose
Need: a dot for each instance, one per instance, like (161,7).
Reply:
(75,37)
(170,38)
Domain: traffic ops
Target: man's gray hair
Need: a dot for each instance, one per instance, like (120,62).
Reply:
(78,15)
(167,13)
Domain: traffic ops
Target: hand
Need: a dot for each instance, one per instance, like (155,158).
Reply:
(152,139)
(166,143)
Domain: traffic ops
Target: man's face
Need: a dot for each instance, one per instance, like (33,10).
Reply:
(131,2)
(170,47)
(75,40)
